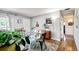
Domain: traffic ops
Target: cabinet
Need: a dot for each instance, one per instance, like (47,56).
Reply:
(47,35)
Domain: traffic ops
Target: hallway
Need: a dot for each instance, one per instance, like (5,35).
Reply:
(70,44)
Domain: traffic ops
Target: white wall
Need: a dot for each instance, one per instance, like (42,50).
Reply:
(69,29)
(55,27)
(76,29)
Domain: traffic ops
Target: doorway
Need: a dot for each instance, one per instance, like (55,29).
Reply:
(67,29)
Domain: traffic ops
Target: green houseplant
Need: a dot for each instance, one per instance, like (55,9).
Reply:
(8,37)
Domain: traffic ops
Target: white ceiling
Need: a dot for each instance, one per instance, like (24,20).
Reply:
(31,12)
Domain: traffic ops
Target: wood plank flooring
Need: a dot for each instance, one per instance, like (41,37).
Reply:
(69,46)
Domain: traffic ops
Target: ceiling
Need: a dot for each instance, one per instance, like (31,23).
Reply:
(67,12)
(31,12)
(68,15)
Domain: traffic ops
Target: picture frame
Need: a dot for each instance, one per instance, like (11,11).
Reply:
(48,21)
(19,21)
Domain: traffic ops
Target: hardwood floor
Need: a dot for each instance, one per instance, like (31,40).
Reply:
(68,45)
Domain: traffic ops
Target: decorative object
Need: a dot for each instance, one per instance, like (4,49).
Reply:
(46,26)
(37,25)
(70,23)
(48,21)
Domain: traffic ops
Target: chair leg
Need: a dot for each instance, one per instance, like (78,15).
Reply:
(41,45)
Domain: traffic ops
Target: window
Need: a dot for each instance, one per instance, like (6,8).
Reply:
(4,22)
